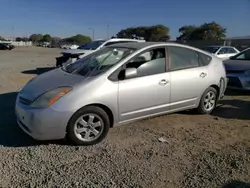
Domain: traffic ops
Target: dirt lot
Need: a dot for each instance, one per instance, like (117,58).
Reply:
(200,150)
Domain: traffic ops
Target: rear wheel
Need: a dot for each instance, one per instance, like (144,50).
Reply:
(208,101)
(88,126)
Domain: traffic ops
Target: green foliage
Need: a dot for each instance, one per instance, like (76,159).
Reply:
(206,31)
(36,38)
(2,39)
(150,33)
(55,40)
(78,39)
(46,38)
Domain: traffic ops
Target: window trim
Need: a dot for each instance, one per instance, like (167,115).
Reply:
(115,74)
(196,52)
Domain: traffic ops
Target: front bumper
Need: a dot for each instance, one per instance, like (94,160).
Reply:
(238,81)
(42,124)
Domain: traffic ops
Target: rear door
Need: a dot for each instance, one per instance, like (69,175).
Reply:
(188,77)
(231,52)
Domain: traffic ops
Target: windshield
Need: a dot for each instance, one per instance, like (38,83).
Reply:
(93,45)
(244,55)
(82,46)
(211,49)
(98,62)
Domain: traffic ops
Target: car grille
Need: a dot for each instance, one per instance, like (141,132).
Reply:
(25,101)
(234,82)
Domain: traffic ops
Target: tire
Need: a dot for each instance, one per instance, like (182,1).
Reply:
(203,108)
(78,133)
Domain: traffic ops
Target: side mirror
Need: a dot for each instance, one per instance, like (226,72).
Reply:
(130,73)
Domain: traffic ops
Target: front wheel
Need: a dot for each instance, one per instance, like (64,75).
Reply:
(88,126)
(208,101)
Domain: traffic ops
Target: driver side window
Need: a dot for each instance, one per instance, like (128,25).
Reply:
(150,62)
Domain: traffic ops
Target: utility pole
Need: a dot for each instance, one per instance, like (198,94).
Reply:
(107,31)
(93,33)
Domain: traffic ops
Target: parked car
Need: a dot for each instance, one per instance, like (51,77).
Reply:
(118,84)
(73,47)
(223,52)
(6,46)
(82,46)
(69,56)
(66,46)
(238,70)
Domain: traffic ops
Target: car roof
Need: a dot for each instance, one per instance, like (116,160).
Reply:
(124,39)
(140,45)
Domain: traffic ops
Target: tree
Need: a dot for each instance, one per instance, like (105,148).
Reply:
(55,40)
(36,38)
(2,39)
(206,31)
(46,38)
(186,31)
(213,31)
(149,33)
(78,39)
(19,39)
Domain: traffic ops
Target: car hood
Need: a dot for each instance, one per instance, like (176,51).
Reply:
(48,81)
(237,64)
(76,51)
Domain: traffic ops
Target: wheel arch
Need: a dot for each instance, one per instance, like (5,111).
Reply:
(103,107)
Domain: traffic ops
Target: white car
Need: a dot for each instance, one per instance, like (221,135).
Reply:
(223,52)
(73,47)
(70,56)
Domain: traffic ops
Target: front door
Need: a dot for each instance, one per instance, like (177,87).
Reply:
(222,53)
(149,92)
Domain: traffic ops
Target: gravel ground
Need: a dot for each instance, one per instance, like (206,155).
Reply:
(198,150)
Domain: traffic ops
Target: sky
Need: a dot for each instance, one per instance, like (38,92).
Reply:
(65,18)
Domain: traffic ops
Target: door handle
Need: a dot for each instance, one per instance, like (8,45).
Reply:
(203,74)
(163,82)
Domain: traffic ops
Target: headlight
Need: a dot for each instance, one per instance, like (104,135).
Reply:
(50,97)
(247,72)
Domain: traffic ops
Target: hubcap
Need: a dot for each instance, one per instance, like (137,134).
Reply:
(88,127)
(209,101)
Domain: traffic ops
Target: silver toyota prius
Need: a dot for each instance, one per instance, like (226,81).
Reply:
(116,85)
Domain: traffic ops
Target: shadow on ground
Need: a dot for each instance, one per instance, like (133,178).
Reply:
(230,108)
(10,134)
(38,71)
(233,109)
(231,92)
(236,184)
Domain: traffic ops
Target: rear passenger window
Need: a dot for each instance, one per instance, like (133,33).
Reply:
(182,58)
(204,59)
